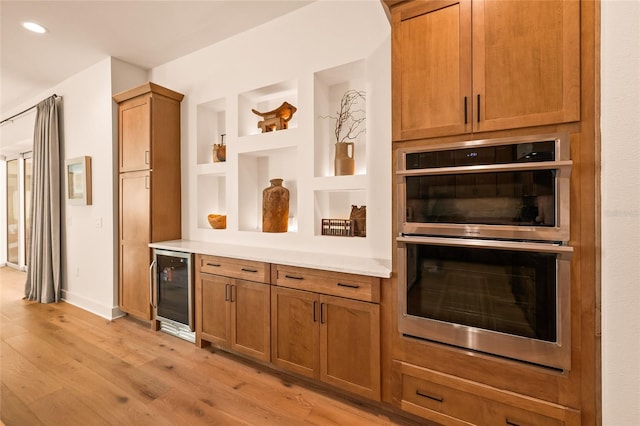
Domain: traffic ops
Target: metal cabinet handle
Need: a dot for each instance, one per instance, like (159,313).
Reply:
(322,318)
(466,118)
(511,422)
(426,395)
(226,292)
(151,281)
(217,265)
(478,107)
(315,306)
(348,285)
(249,270)
(146,157)
(231,293)
(293,277)
(146,182)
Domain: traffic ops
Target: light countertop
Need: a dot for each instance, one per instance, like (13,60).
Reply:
(326,261)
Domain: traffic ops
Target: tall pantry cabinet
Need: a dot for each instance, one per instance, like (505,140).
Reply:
(149,187)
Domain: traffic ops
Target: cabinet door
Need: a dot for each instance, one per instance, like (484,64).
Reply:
(295,331)
(431,69)
(350,345)
(135,134)
(135,255)
(526,63)
(215,309)
(250,319)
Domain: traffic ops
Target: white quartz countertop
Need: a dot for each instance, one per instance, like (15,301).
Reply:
(326,261)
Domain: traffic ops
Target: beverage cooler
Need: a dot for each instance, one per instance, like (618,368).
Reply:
(172,292)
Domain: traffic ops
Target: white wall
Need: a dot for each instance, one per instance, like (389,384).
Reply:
(293,47)
(620,125)
(89,277)
(3,215)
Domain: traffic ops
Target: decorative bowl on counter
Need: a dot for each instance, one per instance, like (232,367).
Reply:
(217,221)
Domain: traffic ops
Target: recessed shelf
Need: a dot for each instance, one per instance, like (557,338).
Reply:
(212,196)
(335,204)
(212,168)
(265,99)
(211,123)
(262,142)
(255,169)
(329,87)
(302,155)
(340,183)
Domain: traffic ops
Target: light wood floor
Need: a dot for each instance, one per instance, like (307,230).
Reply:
(61,365)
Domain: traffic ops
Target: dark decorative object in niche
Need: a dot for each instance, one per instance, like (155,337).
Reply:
(275,207)
(276,119)
(349,125)
(359,217)
(220,150)
(338,227)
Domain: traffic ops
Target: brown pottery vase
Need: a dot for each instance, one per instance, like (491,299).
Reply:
(275,207)
(344,162)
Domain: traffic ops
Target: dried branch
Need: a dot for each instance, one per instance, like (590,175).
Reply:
(349,121)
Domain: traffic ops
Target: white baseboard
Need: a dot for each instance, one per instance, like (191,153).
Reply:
(104,311)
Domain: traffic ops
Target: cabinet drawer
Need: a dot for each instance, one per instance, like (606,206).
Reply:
(452,400)
(352,286)
(235,268)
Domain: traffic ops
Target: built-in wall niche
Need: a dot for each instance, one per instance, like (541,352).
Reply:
(255,170)
(329,87)
(212,198)
(211,124)
(335,205)
(265,99)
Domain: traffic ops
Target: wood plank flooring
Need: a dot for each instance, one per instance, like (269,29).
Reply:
(61,365)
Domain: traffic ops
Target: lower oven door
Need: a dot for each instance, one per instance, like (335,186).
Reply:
(505,298)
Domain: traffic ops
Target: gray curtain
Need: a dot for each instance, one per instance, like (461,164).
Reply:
(43,273)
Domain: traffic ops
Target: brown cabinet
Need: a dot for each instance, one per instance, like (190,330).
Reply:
(448,399)
(482,65)
(232,312)
(333,338)
(149,186)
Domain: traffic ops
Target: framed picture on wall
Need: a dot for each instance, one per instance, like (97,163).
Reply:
(79,181)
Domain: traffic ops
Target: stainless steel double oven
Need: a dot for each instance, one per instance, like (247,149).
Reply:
(483,246)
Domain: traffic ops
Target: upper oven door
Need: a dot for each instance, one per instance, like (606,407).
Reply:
(502,189)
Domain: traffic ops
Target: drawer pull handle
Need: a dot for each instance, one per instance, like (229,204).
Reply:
(249,270)
(217,265)
(293,277)
(425,395)
(348,285)
(511,422)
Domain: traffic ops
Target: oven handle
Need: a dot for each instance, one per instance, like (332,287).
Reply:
(509,167)
(490,244)
(151,281)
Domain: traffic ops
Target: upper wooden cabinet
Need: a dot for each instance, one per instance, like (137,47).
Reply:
(483,65)
(149,126)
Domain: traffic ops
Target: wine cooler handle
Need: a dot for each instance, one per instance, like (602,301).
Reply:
(151,282)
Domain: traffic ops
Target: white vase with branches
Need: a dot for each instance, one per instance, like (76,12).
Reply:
(349,125)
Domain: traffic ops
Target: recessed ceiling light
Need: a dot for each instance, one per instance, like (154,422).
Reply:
(36,28)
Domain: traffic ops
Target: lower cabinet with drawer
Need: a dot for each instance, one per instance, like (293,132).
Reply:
(326,326)
(233,305)
(451,400)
